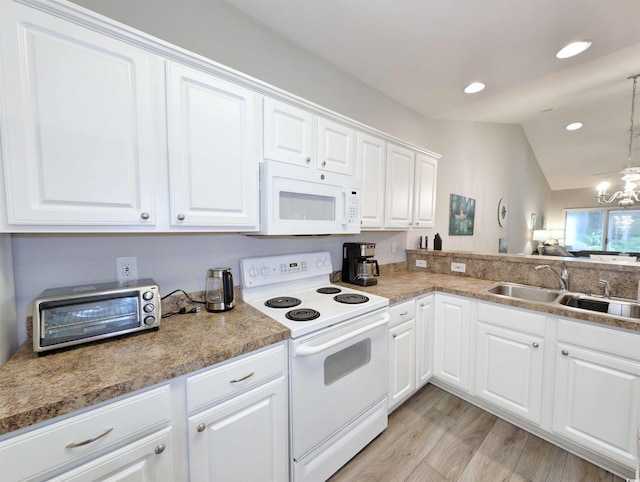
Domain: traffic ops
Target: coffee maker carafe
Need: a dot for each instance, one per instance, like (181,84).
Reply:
(358,265)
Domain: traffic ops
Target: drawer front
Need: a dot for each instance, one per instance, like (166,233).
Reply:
(34,453)
(218,383)
(609,340)
(512,318)
(402,312)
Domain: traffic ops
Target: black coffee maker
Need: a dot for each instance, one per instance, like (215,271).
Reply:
(358,265)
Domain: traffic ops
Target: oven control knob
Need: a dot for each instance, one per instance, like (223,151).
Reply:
(147,295)
(319,263)
(327,263)
(149,320)
(264,271)
(253,272)
(149,307)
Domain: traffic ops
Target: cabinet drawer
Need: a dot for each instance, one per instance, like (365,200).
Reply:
(46,449)
(609,340)
(402,312)
(512,318)
(218,383)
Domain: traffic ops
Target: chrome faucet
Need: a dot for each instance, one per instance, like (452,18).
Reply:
(607,287)
(562,279)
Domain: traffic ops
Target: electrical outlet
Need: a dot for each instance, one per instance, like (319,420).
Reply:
(127,268)
(421,263)
(458,267)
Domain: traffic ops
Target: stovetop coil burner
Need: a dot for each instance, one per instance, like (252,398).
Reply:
(282,302)
(302,314)
(328,290)
(351,298)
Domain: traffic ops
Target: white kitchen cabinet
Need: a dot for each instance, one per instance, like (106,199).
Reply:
(213,150)
(242,433)
(110,440)
(296,136)
(452,340)
(510,359)
(80,141)
(402,353)
(424,192)
(399,187)
(597,389)
(425,312)
(371,156)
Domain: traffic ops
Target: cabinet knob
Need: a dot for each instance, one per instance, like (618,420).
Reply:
(159,449)
(417,224)
(201,427)
(324,163)
(308,160)
(394,335)
(535,344)
(180,217)
(322,177)
(145,215)
(421,305)
(565,352)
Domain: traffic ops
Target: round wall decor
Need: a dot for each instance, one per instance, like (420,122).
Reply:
(502,212)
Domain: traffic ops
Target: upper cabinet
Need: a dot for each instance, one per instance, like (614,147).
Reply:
(424,192)
(372,155)
(400,181)
(213,147)
(79,142)
(296,136)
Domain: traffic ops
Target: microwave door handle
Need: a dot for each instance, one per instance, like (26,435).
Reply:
(343,221)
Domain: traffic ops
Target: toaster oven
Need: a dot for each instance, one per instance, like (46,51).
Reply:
(78,314)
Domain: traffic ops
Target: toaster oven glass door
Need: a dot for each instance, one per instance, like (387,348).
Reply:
(90,318)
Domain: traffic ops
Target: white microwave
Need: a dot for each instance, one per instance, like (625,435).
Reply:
(297,200)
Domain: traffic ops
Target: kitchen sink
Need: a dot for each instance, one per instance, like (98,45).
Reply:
(524,292)
(612,306)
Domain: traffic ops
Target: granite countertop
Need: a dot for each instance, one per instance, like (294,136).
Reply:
(36,389)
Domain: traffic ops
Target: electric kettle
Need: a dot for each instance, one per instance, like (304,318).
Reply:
(219,290)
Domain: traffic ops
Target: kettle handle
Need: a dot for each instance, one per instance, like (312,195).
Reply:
(377,267)
(227,283)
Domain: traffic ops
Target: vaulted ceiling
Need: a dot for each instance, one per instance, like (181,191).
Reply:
(422,53)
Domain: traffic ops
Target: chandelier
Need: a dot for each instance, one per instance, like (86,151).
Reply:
(630,175)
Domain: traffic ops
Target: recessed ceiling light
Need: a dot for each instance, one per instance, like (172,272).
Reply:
(474,88)
(574,48)
(574,126)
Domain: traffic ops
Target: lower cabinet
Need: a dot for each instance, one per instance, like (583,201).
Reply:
(243,439)
(425,311)
(402,353)
(510,359)
(597,390)
(452,340)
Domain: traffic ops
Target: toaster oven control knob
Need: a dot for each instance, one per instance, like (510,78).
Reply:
(148,308)
(147,295)
(149,320)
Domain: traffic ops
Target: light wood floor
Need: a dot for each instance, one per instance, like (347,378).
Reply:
(435,436)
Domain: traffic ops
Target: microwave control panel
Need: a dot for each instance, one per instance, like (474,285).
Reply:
(353,207)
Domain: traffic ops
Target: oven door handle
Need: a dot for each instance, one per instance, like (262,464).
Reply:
(307,350)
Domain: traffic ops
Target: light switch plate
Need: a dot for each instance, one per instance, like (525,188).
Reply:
(421,263)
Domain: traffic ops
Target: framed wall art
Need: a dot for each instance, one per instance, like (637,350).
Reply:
(462,213)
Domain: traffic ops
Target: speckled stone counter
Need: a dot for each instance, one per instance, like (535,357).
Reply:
(34,389)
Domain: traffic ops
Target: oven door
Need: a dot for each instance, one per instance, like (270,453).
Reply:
(336,375)
(300,200)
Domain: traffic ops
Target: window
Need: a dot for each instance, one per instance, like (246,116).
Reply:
(603,230)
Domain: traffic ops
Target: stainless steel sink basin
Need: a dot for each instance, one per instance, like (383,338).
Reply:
(524,292)
(612,306)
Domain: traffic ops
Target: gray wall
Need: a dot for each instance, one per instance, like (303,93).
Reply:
(483,161)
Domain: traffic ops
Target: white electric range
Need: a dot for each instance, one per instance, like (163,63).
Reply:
(338,357)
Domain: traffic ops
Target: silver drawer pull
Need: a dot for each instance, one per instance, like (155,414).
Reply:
(237,380)
(404,313)
(159,449)
(85,442)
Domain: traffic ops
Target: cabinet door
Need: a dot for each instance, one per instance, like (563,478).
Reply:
(371,155)
(243,439)
(425,311)
(424,207)
(509,370)
(213,151)
(452,340)
(399,192)
(597,401)
(146,460)
(402,362)
(79,142)
(336,147)
(288,133)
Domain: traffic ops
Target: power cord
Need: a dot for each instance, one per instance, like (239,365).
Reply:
(182,311)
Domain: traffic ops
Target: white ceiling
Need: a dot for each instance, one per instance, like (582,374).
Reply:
(423,52)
